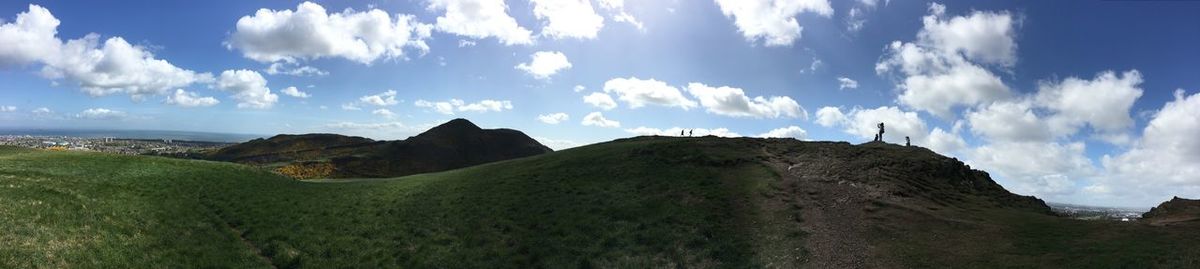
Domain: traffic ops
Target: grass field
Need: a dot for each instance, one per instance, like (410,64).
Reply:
(633,204)
(641,203)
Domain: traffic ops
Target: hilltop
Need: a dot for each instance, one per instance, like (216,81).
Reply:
(1175,211)
(454,144)
(645,202)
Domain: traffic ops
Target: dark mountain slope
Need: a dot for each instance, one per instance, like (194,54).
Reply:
(454,144)
(1175,211)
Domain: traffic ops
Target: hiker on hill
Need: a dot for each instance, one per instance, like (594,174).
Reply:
(681,132)
(879,137)
(907,143)
(690,132)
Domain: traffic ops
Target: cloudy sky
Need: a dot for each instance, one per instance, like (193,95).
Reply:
(1092,102)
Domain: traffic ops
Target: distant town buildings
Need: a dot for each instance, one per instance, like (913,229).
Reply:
(109,144)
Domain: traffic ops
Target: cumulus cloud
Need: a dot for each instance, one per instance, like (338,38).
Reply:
(249,88)
(309,32)
(544,64)
(480,19)
(847,83)
(943,68)
(600,100)
(294,92)
(1050,172)
(293,69)
(190,99)
(457,105)
(553,118)
(830,116)
(350,107)
(786,132)
(383,112)
(733,102)
(1102,103)
(41,111)
(387,98)
(675,131)
(1165,161)
(772,21)
(639,92)
(371,126)
(1009,121)
(8,108)
(100,114)
(597,119)
(567,18)
(578,88)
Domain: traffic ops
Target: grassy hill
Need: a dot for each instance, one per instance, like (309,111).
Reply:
(643,202)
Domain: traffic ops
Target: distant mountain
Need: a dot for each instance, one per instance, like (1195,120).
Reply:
(1177,210)
(454,144)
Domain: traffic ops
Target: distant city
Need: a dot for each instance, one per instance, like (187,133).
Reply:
(1085,212)
(129,142)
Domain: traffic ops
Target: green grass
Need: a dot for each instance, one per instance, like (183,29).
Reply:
(647,203)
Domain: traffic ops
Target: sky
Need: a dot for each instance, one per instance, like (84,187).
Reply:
(1087,102)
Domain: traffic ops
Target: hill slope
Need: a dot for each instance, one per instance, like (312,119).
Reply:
(642,202)
(1173,212)
(454,144)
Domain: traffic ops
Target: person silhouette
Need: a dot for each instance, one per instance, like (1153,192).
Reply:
(681,132)
(879,137)
(690,132)
(907,142)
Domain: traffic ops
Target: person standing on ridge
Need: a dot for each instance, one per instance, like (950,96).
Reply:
(907,142)
(879,137)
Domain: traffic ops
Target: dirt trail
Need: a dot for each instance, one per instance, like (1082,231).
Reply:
(833,212)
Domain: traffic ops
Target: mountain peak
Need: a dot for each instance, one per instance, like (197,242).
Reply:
(455,126)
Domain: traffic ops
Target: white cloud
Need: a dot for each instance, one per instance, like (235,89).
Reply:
(480,19)
(985,37)
(557,144)
(1050,172)
(1103,103)
(544,64)
(733,102)
(387,98)
(638,93)
(466,43)
(41,111)
(597,119)
(293,69)
(384,113)
(310,32)
(830,116)
(1165,161)
(619,13)
(453,105)
(350,106)
(190,99)
(249,88)
(30,38)
(786,132)
(578,88)
(772,21)
(8,108)
(938,69)
(567,18)
(600,100)
(100,114)
(373,126)
(114,67)
(676,131)
(294,92)
(949,143)
(847,83)
(1009,121)
(553,118)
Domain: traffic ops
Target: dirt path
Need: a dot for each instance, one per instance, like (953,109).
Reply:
(833,212)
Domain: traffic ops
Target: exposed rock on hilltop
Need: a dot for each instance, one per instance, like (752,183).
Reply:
(454,144)
(1177,210)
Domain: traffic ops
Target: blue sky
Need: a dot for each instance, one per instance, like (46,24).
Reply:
(1073,101)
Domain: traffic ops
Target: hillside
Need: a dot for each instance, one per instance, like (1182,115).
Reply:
(454,144)
(1174,212)
(646,202)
